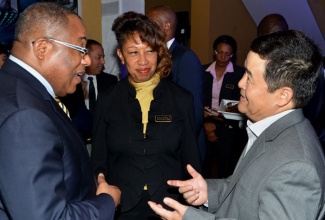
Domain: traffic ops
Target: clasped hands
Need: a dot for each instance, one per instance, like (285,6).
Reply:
(195,193)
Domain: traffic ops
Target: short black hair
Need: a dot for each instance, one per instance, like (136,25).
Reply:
(293,60)
(226,39)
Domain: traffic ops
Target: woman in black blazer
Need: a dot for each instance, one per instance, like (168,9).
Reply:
(225,140)
(144,127)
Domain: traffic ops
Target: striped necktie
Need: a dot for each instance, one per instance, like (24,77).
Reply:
(63,107)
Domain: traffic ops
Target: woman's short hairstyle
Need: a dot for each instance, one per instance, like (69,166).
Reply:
(226,39)
(131,23)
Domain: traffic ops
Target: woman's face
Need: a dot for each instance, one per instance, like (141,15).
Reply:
(139,58)
(223,54)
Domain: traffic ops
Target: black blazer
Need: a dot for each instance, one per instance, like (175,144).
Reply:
(229,89)
(130,160)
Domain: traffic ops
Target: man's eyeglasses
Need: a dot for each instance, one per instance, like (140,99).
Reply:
(224,54)
(83,50)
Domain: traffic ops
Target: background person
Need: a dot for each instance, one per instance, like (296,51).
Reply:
(225,139)
(78,102)
(148,136)
(280,174)
(45,169)
(186,70)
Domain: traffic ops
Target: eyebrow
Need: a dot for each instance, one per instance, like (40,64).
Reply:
(248,71)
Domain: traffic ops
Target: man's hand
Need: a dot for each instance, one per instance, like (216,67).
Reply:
(113,191)
(195,190)
(177,214)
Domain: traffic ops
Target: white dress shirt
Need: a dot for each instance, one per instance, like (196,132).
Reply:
(36,74)
(85,87)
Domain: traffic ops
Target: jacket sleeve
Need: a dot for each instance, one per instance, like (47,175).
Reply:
(190,77)
(32,172)
(99,149)
(189,141)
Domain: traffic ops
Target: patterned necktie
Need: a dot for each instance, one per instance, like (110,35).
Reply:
(91,94)
(63,107)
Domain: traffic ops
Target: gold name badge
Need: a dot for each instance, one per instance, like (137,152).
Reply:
(229,86)
(163,118)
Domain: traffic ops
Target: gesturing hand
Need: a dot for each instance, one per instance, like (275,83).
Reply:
(177,214)
(195,190)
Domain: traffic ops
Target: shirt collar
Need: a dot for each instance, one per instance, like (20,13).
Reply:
(212,68)
(258,127)
(170,42)
(36,74)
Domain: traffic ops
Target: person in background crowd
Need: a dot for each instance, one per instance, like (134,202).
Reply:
(81,104)
(186,70)
(45,168)
(281,172)
(225,139)
(144,127)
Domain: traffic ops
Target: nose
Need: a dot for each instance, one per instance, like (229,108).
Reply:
(142,59)
(242,81)
(102,60)
(86,61)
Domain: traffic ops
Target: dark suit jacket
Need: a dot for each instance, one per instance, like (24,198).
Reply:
(81,117)
(282,176)
(120,150)
(229,89)
(187,72)
(45,168)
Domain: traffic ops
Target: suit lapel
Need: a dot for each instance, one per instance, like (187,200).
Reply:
(258,148)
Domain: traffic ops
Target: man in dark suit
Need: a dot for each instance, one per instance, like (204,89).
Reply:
(45,168)
(186,70)
(79,103)
(281,172)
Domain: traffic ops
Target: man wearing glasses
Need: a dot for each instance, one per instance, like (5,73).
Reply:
(45,168)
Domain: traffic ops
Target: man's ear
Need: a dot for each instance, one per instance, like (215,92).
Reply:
(167,27)
(285,96)
(41,48)
(120,55)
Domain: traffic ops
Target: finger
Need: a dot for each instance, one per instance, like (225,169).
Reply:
(172,203)
(101,178)
(158,209)
(177,183)
(192,171)
(185,189)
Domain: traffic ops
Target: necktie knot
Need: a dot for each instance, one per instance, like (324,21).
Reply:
(62,106)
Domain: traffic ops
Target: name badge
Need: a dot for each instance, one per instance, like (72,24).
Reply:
(228,86)
(163,118)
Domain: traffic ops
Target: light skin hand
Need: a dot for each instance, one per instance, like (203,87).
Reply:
(104,187)
(177,214)
(195,190)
